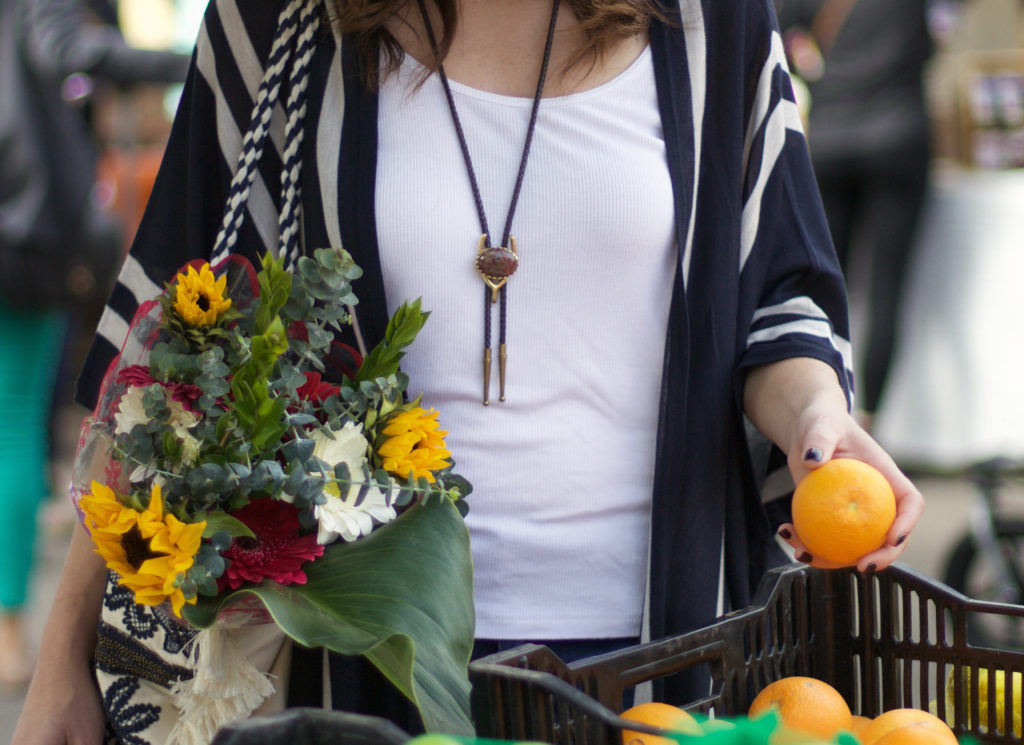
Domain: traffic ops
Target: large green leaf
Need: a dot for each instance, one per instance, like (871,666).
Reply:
(401,596)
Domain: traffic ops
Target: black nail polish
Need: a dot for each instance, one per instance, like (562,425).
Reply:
(813,454)
(872,568)
(785,534)
(900,540)
(805,557)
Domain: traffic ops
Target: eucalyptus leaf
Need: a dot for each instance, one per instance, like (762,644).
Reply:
(318,337)
(342,475)
(311,487)
(213,385)
(207,402)
(382,479)
(188,587)
(404,495)
(401,596)
(299,420)
(239,470)
(208,586)
(298,450)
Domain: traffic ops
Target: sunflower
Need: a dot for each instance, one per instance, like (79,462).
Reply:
(199,299)
(148,550)
(415,446)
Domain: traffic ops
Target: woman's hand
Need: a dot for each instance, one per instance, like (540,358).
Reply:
(799,404)
(826,435)
(62,710)
(63,704)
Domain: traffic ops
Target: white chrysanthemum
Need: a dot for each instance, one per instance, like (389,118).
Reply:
(181,419)
(340,516)
(146,473)
(130,410)
(141,473)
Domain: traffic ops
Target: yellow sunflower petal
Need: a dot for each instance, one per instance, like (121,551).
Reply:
(156,502)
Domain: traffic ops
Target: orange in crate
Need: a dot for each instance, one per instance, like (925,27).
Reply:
(896,719)
(663,716)
(919,733)
(805,704)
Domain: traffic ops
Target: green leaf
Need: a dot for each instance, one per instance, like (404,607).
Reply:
(401,596)
(275,285)
(218,521)
(401,331)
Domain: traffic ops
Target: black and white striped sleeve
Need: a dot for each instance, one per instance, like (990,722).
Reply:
(186,206)
(786,254)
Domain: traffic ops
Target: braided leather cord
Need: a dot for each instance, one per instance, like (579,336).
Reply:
(290,219)
(296,27)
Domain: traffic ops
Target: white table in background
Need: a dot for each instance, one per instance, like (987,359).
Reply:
(956,393)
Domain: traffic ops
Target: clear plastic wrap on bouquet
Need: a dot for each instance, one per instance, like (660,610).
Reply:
(94,459)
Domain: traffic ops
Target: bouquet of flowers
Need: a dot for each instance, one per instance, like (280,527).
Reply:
(242,462)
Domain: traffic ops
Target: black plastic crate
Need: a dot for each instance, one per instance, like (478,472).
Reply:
(885,641)
(309,726)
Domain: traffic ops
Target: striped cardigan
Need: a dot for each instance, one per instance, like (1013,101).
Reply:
(757,277)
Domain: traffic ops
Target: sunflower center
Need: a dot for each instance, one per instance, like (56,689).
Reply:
(136,548)
(203,301)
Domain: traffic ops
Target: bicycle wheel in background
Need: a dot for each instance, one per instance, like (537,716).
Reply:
(982,577)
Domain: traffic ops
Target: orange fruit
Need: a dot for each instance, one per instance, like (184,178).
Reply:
(859,723)
(889,721)
(843,510)
(664,716)
(806,704)
(919,733)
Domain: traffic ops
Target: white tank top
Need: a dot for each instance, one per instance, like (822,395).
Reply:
(562,470)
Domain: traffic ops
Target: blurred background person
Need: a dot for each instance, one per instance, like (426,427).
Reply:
(864,64)
(51,52)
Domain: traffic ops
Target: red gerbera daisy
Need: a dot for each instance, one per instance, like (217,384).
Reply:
(315,388)
(276,553)
(184,393)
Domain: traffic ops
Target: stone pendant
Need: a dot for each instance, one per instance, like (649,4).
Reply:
(496,264)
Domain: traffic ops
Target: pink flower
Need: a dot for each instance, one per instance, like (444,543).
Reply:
(184,393)
(276,553)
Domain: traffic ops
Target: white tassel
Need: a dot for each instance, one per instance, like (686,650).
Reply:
(226,687)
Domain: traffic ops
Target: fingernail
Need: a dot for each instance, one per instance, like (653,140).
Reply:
(805,557)
(872,568)
(813,454)
(785,534)
(901,539)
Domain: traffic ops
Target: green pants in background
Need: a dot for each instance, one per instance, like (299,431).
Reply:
(30,352)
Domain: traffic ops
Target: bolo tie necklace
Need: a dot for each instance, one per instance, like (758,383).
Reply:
(495,264)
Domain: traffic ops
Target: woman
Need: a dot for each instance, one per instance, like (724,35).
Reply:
(675,273)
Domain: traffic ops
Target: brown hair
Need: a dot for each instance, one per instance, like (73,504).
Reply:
(362,22)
